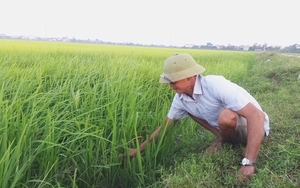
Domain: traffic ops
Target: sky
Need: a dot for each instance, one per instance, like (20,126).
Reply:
(159,22)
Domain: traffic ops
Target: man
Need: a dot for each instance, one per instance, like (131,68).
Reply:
(220,106)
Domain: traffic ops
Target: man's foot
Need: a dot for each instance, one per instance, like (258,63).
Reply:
(216,146)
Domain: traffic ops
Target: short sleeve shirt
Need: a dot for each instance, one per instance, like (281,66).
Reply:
(211,95)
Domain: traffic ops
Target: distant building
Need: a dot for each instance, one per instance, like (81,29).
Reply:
(219,46)
(246,48)
(189,45)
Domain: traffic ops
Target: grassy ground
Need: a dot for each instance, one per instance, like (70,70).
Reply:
(273,82)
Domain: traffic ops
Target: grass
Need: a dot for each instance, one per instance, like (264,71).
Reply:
(275,85)
(68,110)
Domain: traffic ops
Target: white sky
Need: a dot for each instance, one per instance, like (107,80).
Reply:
(168,22)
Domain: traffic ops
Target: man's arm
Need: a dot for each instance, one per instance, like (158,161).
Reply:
(132,152)
(255,130)
(207,126)
(212,129)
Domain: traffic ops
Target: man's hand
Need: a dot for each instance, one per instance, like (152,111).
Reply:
(132,153)
(246,172)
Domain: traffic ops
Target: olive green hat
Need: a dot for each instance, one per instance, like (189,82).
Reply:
(178,67)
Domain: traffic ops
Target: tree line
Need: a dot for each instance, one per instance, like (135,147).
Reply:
(295,48)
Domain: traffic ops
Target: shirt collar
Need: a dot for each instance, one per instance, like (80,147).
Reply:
(197,89)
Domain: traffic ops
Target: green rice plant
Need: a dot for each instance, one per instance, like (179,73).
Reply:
(69,110)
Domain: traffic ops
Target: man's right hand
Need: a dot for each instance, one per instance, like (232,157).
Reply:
(132,152)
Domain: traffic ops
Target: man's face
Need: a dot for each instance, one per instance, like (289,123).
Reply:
(182,86)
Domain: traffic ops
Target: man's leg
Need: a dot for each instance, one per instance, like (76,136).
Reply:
(227,123)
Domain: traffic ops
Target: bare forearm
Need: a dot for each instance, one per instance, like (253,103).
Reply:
(255,135)
(206,125)
(155,133)
(255,129)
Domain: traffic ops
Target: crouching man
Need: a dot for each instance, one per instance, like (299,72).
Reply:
(220,106)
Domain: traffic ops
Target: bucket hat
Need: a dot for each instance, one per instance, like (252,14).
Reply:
(178,67)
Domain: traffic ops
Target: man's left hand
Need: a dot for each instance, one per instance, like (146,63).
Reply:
(246,172)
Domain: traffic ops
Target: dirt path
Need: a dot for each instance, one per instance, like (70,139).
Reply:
(292,55)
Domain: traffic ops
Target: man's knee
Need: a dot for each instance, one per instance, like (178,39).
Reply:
(227,119)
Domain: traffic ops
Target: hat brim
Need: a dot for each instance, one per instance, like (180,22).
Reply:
(192,71)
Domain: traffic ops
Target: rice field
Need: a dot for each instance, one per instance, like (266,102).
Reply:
(67,111)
